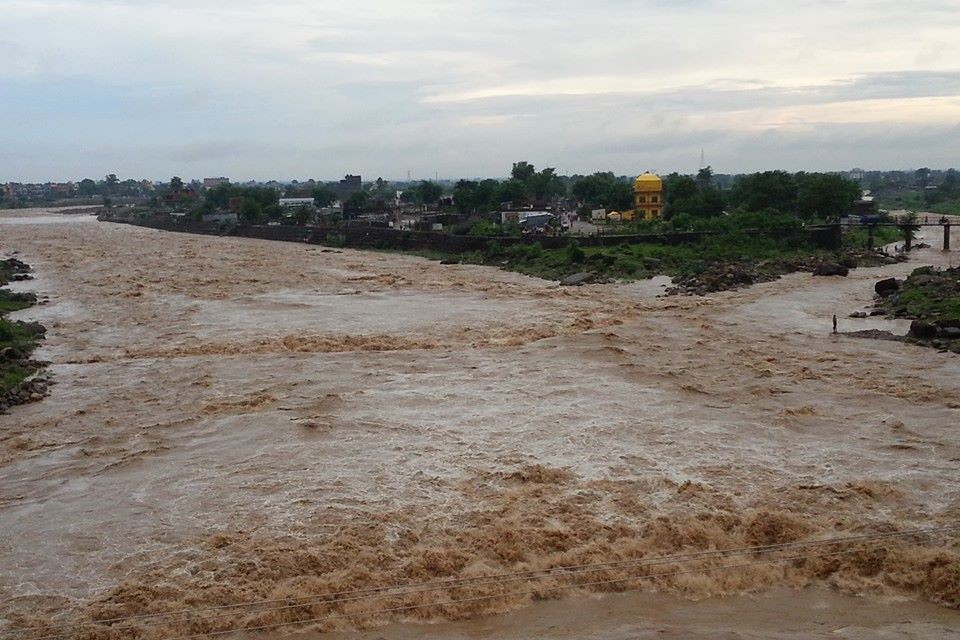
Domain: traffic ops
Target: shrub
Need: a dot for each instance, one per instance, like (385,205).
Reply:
(574,253)
(336,240)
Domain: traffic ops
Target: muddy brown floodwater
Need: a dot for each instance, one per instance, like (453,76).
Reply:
(238,420)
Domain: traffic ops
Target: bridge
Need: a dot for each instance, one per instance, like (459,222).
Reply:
(944,222)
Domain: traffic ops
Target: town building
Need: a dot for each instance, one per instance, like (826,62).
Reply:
(647,197)
(517,216)
(180,196)
(210,183)
(350,184)
(292,203)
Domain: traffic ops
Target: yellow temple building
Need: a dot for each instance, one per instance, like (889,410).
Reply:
(647,200)
(648,196)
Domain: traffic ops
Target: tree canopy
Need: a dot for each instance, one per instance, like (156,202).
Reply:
(603,189)
(692,196)
(323,196)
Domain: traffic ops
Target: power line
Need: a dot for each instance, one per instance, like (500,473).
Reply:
(408,589)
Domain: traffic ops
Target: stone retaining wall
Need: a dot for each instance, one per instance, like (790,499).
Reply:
(827,237)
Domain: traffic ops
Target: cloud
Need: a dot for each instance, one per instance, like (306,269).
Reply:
(299,88)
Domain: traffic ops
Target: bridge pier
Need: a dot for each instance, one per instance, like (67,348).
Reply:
(946,236)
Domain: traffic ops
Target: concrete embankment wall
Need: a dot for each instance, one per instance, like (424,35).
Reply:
(827,237)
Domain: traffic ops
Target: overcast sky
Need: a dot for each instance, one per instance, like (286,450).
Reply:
(316,89)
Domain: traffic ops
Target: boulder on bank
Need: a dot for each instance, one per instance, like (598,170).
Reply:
(831,269)
(950,333)
(34,328)
(15,266)
(578,279)
(887,287)
(921,329)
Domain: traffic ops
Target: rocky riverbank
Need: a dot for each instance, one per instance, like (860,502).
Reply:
(19,379)
(931,298)
(729,274)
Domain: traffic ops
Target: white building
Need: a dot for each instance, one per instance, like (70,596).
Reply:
(293,203)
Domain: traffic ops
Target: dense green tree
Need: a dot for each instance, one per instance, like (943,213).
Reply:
(429,192)
(219,195)
(251,210)
(358,200)
(522,171)
(589,190)
(705,177)
(466,196)
(712,203)
(619,195)
(485,228)
(545,185)
(766,190)
(694,197)
(823,195)
(87,187)
(512,190)
(176,184)
(603,189)
(950,187)
(594,190)
(273,211)
(324,196)
(679,188)
(487,192)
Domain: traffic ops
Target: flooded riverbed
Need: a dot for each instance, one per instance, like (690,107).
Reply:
(238,420)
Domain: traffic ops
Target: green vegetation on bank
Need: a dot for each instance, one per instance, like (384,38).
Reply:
(10,302)
(17,339)
(639,261)
(767,244)
(860,237)
(931,298)
(922,194)
(928,294)
(920,201)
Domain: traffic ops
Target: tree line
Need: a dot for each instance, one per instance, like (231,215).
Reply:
(805,195)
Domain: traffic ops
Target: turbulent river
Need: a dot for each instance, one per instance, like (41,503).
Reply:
(238,420)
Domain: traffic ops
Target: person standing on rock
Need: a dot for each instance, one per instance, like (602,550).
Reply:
(834,323)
